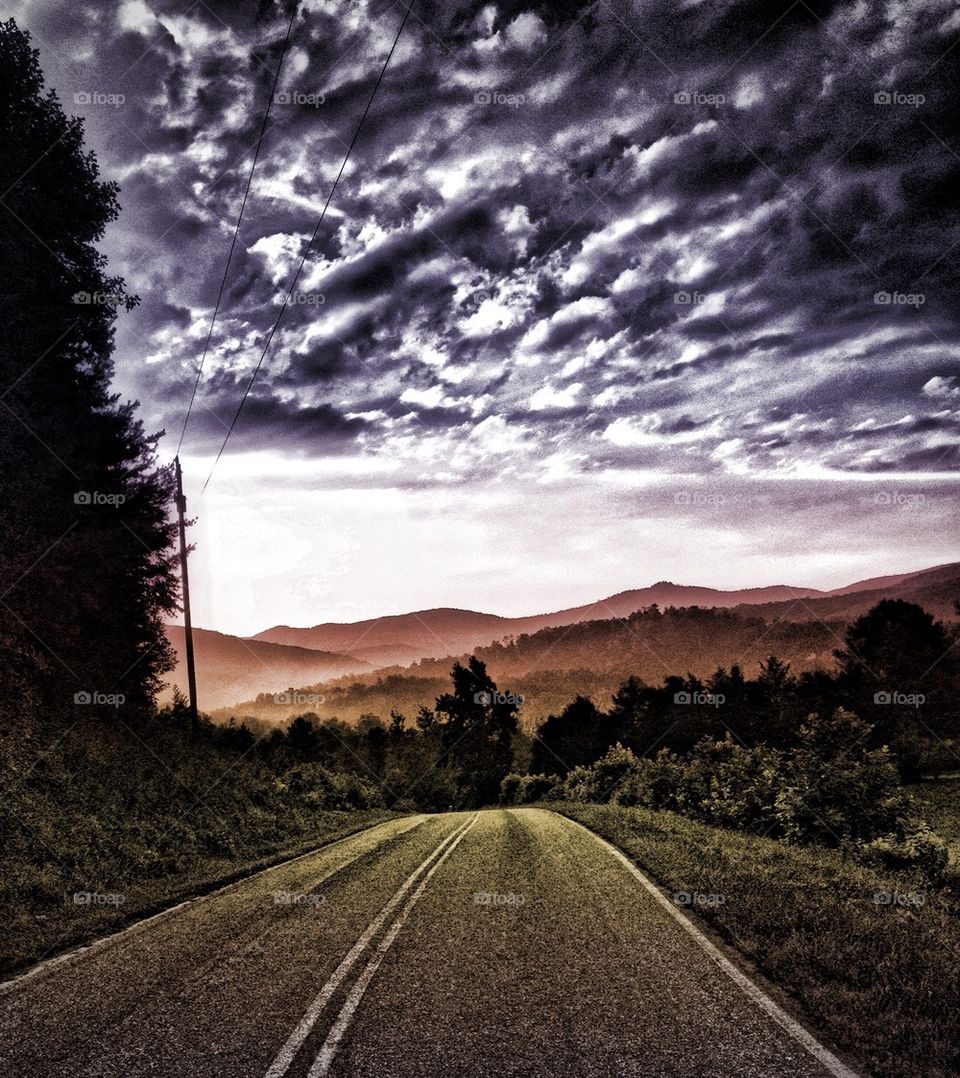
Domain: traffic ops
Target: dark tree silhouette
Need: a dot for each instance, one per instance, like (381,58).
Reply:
(477,725)
(894,644)
(898,671)
(85,541)
(577,736)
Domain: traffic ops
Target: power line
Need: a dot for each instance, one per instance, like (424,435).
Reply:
(236,231)
(306,251)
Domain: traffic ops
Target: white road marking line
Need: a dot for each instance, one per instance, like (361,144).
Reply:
(294,1043)
(51,964)
(822,1054)
(323,1062)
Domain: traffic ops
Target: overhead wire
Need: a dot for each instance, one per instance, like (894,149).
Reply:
(236,231)
(307,249)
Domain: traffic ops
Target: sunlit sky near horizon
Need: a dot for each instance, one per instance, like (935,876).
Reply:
(609,293)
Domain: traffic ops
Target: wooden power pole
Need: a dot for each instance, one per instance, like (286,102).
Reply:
(185,588)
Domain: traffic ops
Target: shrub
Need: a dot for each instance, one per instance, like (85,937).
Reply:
(535,788)
(726,784)
(509,786)
(832,789)
(913,846)
(319,788)
(840,792)
(654,784)
(601,780)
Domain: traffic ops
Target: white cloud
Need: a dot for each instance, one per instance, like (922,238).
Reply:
(429,398)
(939,386)
(526,31)
(548,397)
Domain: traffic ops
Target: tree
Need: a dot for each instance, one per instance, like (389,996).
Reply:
(894,644)
(629,705)
(774,678)
(373,743)
(775,692)
(303,737)
(85,541)
(575,737)
(477,724)
(898,671)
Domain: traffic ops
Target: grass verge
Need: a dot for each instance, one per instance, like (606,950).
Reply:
(140,819)
(939,803)
(879,975)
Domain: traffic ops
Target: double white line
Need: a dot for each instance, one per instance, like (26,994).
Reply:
(321,1065)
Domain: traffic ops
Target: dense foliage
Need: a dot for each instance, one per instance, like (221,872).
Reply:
(896,671)
(778,756)
(85,541)
(148,812)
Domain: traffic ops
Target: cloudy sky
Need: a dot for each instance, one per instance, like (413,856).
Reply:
(609,293)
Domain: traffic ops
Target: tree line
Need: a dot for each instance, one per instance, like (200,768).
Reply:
(890,702)
(87,575)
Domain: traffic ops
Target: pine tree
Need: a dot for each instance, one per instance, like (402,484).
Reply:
(86,568)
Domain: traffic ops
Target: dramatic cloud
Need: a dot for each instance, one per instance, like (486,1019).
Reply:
(587,246)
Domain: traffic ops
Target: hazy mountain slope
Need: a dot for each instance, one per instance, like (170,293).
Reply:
(537,654)
(935,590)
(877,583)
(403,638)
(553,665)
(400,639)
(230,668)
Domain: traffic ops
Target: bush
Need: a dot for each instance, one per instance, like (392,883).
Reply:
(319,788)
(601,780)
(832,789)
(655,783)
(840,792)
(913,847)
(509,786)
(726,784)
(535,788)
(937,757)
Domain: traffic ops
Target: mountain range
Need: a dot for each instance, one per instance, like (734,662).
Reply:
(231,669)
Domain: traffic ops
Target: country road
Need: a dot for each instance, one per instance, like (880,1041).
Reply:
(499,943)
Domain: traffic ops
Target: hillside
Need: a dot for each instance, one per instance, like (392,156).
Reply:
(230,668)
(935,590)
(401,639)
(363,664)
(398,639)
(551,666)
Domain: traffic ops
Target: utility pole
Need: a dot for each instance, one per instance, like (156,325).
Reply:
(185,588)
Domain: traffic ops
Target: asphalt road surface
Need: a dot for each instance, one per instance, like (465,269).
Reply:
(499,943)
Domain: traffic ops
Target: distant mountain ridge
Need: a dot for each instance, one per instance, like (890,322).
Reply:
(231,669)
(399,639)
(935,590)
(443,631)
(591,657)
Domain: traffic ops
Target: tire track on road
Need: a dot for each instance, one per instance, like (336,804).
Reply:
(323,1062)
(285,1057)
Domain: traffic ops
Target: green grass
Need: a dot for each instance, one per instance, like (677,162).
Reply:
(939,803)
(881,981)
(145,814)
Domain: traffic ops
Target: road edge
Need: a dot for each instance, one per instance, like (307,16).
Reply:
(48,965)
(745,981)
